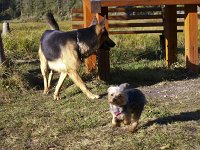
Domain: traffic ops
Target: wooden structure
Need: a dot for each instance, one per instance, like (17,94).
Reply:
(2,55)
(101,8)
(5,28)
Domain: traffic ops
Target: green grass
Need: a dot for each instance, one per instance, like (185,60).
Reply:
(31,120)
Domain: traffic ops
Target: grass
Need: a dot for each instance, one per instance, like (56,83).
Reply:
(31,120)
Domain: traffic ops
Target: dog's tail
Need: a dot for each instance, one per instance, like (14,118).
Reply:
(51,21)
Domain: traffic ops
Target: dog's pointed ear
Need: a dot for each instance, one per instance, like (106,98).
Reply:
(94,21)
(103,22)
(101,26)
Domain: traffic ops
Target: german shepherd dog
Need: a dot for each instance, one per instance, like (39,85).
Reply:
(64,51)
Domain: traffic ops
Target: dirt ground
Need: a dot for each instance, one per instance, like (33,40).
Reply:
(175,90)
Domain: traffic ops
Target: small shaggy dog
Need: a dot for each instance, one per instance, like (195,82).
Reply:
(126,105)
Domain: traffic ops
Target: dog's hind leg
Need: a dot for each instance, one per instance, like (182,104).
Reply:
(44,70)
(79,82)
(50,78)
(127,119)
(59,84)
(135,119)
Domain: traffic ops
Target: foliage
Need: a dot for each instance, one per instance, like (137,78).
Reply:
(10,9)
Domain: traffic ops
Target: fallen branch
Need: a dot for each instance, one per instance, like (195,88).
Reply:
(26,61)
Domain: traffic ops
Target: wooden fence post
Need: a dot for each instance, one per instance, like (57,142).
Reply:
(191,38)
(103,53)
(90,62)
(6,28)
(170,28)
(2,55)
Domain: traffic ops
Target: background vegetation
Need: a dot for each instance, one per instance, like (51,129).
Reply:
(35,9)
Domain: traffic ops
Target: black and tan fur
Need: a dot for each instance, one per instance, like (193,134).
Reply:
(64,51)
(126,105)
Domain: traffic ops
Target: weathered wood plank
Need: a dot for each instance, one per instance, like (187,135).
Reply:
(77,18)
(125,17)
(145,24)
(2,54)
(139,32)
(134,9)
(111,10)
(77,26)
(170,27)
(134,17)
(103,53)
(191,37)
(90,62)
(97,4)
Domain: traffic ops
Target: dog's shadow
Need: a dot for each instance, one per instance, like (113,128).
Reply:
(182,117)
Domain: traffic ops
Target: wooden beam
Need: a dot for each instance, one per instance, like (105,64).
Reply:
(126,17)
(97,4)
(191,37)
(170,28)
(77,26)
(77,18)
(145,24)
(133,9)
(90,62)
(103,53)
(139,31)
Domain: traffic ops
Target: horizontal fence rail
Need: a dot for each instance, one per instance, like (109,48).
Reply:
(121,20)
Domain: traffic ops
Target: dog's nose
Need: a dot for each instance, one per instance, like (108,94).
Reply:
(114,99)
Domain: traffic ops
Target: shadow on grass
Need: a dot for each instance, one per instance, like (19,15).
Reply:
(182,117)
(33,79)
(144,75)
(148,76)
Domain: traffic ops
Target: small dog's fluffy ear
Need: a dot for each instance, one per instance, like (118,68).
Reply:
(124,86)
(111,88)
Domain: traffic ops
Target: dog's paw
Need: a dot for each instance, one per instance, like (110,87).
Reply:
(56,97)
(126,122)
(116,124)
(133,127)
(46,91)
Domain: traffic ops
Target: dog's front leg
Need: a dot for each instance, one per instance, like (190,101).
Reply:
(78,81)
(115,122)
(60,82)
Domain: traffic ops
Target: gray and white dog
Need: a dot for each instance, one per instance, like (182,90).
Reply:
(126,105)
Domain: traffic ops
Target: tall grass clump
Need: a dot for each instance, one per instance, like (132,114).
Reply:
(23,41)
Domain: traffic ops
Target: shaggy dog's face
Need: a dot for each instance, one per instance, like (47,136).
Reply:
(116,96)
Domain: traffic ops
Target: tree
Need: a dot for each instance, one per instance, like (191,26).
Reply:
(10,9)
